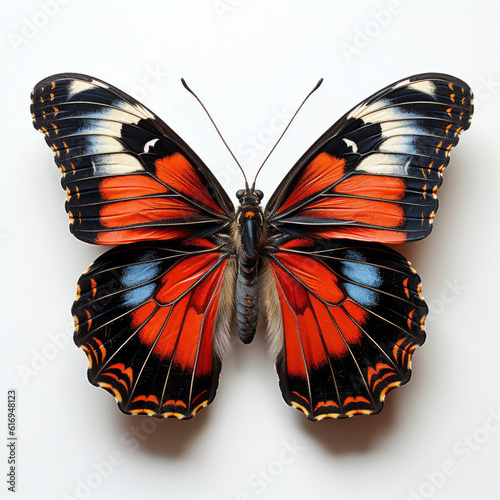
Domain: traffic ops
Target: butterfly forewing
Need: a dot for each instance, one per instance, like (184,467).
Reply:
(127,175)
(374,175)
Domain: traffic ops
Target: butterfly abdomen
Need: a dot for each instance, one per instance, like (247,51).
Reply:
(247,304)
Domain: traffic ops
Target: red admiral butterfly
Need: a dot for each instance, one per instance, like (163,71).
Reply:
(344,311)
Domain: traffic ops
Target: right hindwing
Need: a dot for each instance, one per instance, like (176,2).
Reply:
(344,318)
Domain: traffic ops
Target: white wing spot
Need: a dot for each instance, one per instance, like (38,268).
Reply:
(77,86)
(351,144)
(425,86)
(401,84)
(115,164)
(149,144)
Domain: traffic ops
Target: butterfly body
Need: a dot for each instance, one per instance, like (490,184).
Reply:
(344,311)
(250,223)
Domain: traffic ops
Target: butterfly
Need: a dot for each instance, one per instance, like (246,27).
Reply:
(345,312)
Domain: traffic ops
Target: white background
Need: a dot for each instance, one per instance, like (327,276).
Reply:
(251,61)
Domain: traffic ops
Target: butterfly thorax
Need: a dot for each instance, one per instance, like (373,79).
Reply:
(250,224)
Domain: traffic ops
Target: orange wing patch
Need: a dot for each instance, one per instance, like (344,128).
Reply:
(361,234)
(121,236)
(372,186)
(358,210)
(142,211)
(130,186)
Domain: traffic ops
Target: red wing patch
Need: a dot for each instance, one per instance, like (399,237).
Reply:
(182,312)
(179,174)
(323,171)
(316,277)
(309,309)
(349,336)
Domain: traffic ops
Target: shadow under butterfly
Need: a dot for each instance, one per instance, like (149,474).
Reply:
(344,311)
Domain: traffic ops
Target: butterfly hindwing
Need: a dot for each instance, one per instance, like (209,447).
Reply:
(344,318)
(154,323)
(373,176)
(128,176)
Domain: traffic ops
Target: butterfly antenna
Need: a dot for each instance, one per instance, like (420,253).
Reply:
(286,128)
(216,128)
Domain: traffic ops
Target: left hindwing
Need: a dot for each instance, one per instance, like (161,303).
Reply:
(373,176)
(154,320)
